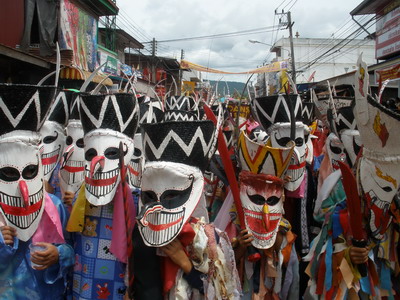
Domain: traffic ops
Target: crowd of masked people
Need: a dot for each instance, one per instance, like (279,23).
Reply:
(122,196)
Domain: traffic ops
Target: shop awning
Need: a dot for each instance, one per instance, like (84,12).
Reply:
(77,74)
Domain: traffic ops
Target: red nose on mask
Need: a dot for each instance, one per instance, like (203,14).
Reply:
(23,188)
(96,164)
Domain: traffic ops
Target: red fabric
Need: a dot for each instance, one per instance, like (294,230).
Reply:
(343,217)
(321,275)
(169,268)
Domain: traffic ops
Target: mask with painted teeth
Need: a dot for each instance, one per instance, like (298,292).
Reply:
(53,142)
(280,137)
(21,194)
(381,182)
(170,193)
(102,170)
(262,201)
(73,163)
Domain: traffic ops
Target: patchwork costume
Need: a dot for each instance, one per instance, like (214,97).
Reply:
(103,214)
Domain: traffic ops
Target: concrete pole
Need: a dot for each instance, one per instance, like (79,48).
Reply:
(290,24)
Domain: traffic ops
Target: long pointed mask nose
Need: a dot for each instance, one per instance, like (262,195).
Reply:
(96,164)
(23,189)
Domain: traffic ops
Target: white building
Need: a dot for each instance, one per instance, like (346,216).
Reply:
(342,59)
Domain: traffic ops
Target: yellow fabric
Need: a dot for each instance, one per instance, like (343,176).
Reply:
(76,221)
(274,67)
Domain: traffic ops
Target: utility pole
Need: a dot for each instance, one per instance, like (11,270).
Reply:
(180,74)
(289,26)
(153,60)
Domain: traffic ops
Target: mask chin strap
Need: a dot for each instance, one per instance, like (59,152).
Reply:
(23,188)
(96,164)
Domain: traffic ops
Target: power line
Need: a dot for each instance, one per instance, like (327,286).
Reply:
(220,35)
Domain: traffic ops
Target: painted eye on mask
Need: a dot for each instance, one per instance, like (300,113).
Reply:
(336,150)
(90,153)
(387,189)
(299,142)
(50,138)
(137,152)
(273,200)
(30,172)
(9,174)
(257,199)
(112,153)
(69,140)
(80,143)
(169,199)
(283,141)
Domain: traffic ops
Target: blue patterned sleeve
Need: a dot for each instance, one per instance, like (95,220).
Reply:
(6,252)
(65,261)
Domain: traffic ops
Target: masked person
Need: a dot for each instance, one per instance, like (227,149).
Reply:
(53,141)
(267,233)
(177,256)
(103,214)
(28,215)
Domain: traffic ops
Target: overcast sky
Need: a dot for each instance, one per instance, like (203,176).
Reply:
(175,19)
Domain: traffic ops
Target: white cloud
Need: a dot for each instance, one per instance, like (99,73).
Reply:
(172,19)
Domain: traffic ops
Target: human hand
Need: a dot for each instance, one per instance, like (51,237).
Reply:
(48,187)
(68,198)
(358,255)
(45,258)
(177,254)
(8,233)
(245,238)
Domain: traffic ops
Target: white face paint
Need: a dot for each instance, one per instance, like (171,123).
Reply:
(262,201)
(170,193)
(280,137)
(102,168)
(53,142)
(335,150)
(21,184)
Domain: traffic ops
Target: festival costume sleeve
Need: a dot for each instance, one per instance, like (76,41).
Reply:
(65,251)
(6,252)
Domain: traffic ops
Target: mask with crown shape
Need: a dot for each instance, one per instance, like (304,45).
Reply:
(109,123)
(176,153)
(273,113)
(23,110)
(261,188)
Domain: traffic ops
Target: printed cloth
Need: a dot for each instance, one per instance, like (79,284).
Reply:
(97,272)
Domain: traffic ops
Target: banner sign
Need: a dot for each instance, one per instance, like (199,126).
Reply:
(111,66)
(274,67)
(388,74)
(233,108)
(78,32)
(388,34)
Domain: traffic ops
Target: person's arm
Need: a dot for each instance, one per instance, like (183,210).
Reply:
(177,254)
(241,243)
(8,245)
